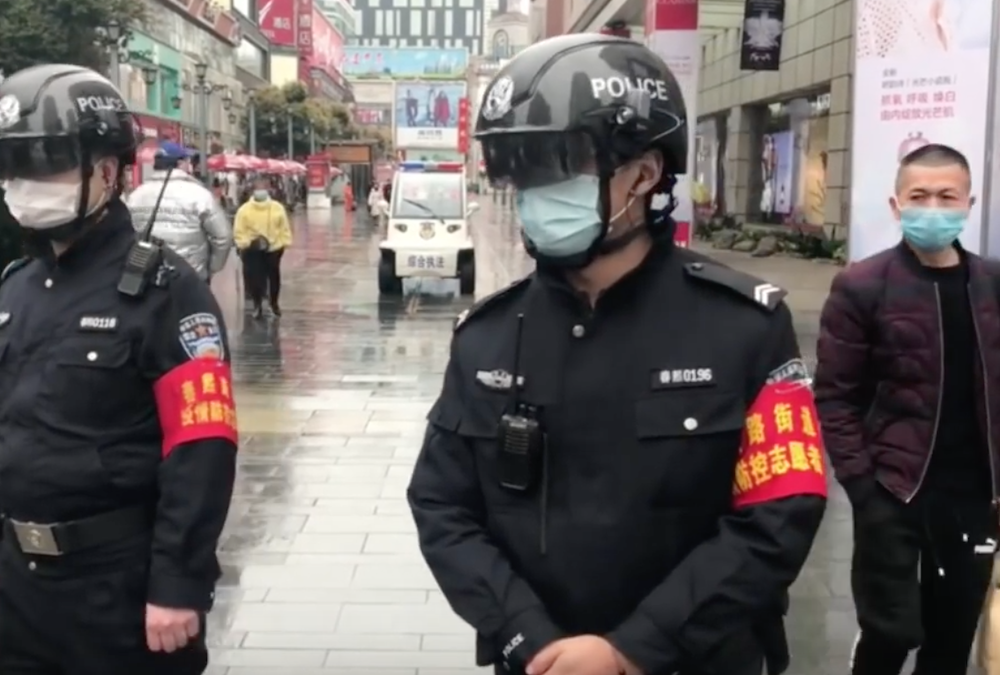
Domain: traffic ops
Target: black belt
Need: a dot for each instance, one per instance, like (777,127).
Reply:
(56,539)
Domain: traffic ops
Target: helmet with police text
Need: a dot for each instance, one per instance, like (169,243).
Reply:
(56,119)
(580,99)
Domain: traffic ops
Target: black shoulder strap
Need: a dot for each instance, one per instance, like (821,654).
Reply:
(12,267)
(746,285)
(488,301)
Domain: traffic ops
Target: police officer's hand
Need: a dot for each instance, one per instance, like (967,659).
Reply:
(168,629)
(581,655)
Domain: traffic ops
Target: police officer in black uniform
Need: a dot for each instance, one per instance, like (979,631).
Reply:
(623,472)
(117,431)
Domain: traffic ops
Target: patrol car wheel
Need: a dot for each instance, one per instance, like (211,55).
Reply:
(467,274)
(388,282)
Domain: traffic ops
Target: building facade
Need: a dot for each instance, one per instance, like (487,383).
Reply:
(422,23)
(343,16)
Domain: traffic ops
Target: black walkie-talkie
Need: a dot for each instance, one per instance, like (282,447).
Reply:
(521,440)
(144,257)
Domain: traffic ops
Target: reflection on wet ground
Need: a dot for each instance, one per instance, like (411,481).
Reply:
(322,572)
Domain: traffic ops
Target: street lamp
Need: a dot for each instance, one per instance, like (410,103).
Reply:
(114,33)
(204,90)
(150,75)
(232,118)
(252,119)
(176,101)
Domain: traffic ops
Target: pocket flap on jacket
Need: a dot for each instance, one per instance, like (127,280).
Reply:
(689,414)
(478,417)
(93,353)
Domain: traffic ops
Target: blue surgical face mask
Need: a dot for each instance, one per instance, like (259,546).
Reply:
(261,195)
(561,220)
(932,229)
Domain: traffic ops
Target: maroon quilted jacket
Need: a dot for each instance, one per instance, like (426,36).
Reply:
(879,371)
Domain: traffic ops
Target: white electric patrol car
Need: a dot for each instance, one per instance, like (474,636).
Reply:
(427,231)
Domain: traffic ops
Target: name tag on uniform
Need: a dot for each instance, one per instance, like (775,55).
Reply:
(682,378)
(99,324)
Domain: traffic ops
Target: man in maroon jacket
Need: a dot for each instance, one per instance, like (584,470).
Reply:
(908,389)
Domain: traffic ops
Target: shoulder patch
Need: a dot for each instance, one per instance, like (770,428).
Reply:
(13,266)
(750,287)
(488,301)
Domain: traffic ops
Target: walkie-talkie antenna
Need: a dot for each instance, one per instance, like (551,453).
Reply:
(515,383)
(147,232)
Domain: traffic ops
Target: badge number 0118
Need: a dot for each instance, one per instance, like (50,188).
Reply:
(782,450)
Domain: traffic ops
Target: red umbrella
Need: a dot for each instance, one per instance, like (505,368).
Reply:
(272,165)
(255,163)
(227,163)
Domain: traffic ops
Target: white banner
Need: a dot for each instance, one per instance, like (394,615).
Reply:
(922,75)
(427,114)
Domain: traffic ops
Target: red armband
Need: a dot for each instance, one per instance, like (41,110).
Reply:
(195,403)
(781,454)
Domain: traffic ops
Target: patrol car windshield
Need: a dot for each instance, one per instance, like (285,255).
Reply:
(429,195)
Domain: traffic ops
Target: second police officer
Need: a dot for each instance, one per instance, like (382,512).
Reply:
(117,431)
(623,472)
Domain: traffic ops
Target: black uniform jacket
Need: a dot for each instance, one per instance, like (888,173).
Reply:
(108,401)
(683,481)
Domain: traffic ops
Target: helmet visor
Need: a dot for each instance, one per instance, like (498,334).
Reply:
(535,159)
(38,157)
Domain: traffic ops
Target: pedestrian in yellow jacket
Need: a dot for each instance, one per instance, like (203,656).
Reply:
(262,232)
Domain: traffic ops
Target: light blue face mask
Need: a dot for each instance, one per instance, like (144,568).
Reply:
(561,220)
(932,229)
(261,195)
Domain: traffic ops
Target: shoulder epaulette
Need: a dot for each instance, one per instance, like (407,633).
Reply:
(488,301)
(750,287)
(13,266)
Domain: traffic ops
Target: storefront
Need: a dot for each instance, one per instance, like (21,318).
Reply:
(788,178)
(708,185)
(154,130)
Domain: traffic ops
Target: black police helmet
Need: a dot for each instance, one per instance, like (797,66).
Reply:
(58,118)
(570,101)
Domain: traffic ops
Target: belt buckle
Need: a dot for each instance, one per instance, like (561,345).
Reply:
(36,538)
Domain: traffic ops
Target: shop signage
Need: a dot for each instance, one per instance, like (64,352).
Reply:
(210,15)
(911,88)
(763,28)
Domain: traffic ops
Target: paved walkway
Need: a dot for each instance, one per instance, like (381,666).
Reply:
(322,571)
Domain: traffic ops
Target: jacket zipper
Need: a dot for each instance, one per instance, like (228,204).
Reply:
(937,414)
(986,401)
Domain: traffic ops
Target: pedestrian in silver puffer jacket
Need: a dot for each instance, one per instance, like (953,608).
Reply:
(189,220)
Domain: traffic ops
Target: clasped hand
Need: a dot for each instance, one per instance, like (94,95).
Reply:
(168,629)
(581,655)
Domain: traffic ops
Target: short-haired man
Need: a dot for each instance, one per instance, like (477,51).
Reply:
(908,388)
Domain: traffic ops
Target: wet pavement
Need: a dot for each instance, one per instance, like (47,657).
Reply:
(322,571)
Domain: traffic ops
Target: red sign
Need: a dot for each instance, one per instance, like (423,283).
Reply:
(463,125)
(210,16)
(317,173)
(276,19)
(154,127)
(671,15)
(321,46)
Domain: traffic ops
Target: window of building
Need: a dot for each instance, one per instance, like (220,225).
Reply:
(169,88)
(449,22)
(434,42)
(477,24)
(416,22)
(250,58)
(243,7)
(466,3)
(379,22)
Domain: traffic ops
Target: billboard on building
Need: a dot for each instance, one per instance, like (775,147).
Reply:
(276,19)
(405,63)
(373,115)
(427,114)
(327,44)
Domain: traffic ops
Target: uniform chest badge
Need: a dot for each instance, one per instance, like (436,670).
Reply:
(497,380)
(99,324)
(201,336)
(4,319)
(682,378)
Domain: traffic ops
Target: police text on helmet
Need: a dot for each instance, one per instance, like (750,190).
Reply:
(619,86)
(96,103)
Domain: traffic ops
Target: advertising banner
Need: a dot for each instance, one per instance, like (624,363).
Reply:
(672,32)
(276,19)
(777,173)
(463,125)
(405,63)
(917,80)
(427,114)
(373,115)
(763,27)
(326,42)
